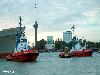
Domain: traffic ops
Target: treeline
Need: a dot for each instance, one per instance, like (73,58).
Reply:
(60,45)
(89,44)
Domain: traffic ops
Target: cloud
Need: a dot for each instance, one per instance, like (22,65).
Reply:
(52,15)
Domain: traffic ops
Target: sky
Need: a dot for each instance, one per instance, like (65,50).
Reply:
(53,16)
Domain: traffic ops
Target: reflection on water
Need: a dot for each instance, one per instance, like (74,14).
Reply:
(51,64)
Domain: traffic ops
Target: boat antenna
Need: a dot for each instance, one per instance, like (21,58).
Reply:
(18,35)
(20,23)
(73,28)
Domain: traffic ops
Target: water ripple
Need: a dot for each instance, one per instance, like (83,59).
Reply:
(51,64)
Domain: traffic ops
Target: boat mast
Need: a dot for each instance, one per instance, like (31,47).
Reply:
(73,28)
(74,38)
(20,23)
(19,34)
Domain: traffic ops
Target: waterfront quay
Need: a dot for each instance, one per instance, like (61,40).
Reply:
(49,63)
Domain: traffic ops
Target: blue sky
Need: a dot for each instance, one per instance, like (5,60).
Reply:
(53,16)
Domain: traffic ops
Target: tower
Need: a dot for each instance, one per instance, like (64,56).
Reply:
(35,26)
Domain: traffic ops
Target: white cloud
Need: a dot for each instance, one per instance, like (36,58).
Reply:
(52,15)
(91,14)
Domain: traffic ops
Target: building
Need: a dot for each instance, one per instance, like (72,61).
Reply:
(50,46)
(49,39)
(67,36)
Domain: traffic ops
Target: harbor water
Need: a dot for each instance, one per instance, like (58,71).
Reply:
(49,63)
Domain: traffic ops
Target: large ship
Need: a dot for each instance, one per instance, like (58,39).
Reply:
(8,39)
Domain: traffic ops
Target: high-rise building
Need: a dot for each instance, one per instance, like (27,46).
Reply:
(67,36)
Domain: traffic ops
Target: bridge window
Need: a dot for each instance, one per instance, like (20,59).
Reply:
(23,40)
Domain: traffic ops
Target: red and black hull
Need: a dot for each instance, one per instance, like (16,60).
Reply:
(83,53)
(23,56)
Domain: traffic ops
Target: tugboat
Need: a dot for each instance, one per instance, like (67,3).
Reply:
(78,51)
(23,52)
(65,53)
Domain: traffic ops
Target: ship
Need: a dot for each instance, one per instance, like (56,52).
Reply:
(78,51)
(22,52)
(65,53)
(8,40)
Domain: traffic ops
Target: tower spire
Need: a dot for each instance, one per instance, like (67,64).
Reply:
(36,24)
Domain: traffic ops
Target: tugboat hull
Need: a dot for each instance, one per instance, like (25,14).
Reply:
(83,53)
(23,56)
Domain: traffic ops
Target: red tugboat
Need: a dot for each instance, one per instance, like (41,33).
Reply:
(65,53)
(23,52)
(78,51)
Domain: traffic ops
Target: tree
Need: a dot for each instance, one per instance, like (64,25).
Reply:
(40,44)
(60,45)
(69,45)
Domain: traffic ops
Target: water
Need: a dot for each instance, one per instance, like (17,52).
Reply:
(51,64)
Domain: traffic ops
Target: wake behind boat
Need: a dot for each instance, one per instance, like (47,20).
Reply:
(23,52)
